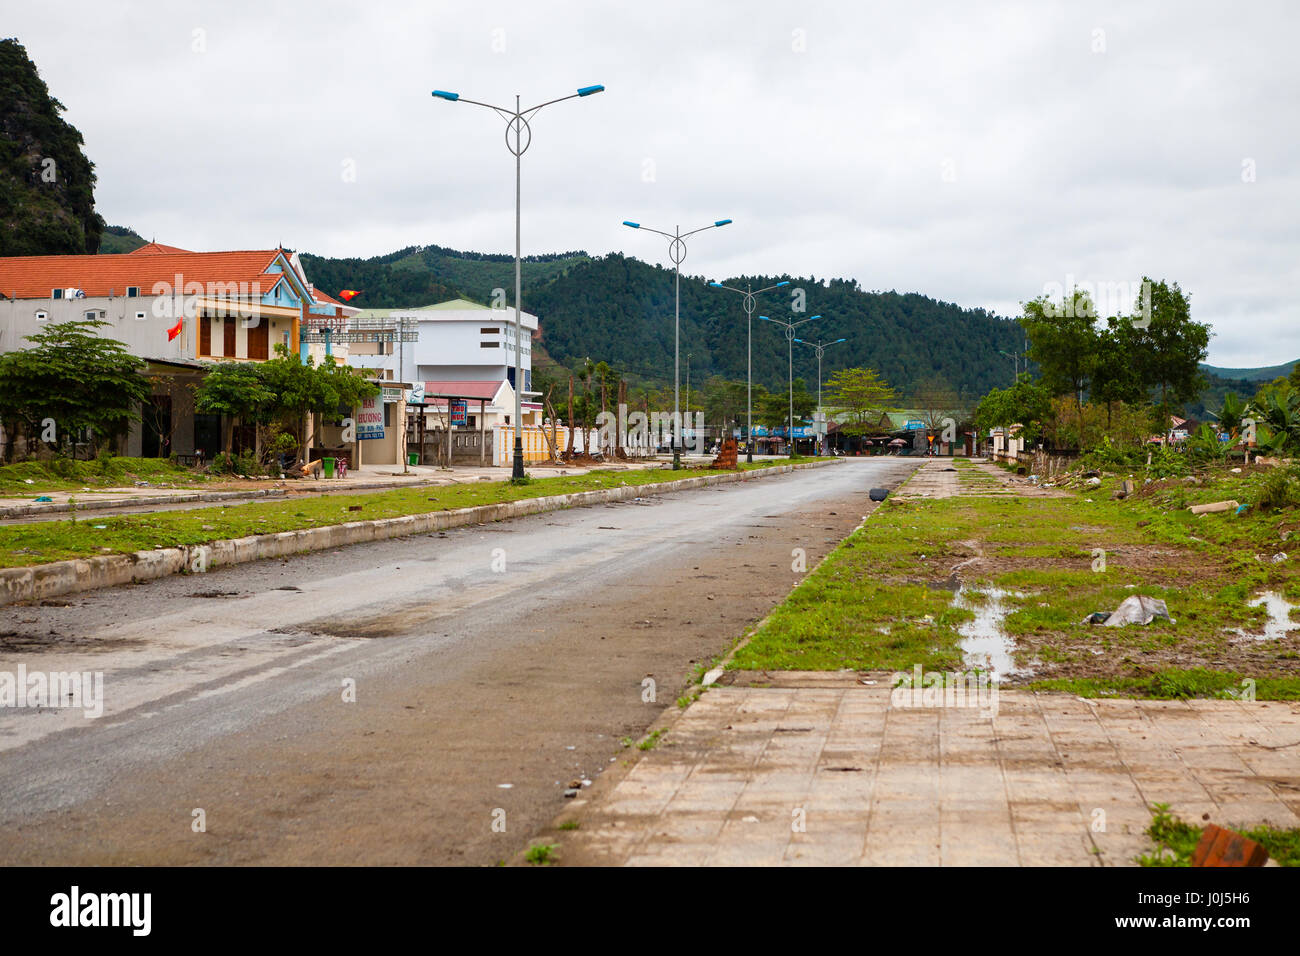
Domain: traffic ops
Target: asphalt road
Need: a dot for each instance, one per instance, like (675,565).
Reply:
(490,667)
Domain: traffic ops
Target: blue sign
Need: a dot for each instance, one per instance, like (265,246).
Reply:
(458,411)
(913,426)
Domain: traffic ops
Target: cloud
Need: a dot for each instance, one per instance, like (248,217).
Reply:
(975,153)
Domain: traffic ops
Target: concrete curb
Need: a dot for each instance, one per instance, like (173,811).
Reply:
(85,574)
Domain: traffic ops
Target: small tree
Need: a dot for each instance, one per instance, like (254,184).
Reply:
(234,389)
(862,398)
(75,379)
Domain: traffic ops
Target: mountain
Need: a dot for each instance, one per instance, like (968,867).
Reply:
(47,185)
(418,276)
(1266,374)
(619,309)
(1245,382)
(120,239)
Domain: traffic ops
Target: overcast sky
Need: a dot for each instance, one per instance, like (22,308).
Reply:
(977,152)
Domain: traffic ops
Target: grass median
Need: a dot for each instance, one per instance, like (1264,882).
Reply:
(922,576)
(23,545)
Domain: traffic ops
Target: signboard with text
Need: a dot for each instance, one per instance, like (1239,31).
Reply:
(370,419)
(457,407)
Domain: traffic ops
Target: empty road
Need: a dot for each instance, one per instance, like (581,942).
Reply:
(418,701)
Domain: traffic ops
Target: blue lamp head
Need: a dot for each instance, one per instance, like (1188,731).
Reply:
(444,95)
(838,341)
(588,90)
(632,225)
(785,283)
(765,318)
(801,341)
(722,222)
(716,285)
(817,316)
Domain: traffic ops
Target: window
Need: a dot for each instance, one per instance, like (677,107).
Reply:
(388,414)
(56,293)
(133,292)
(91,315)
(139,316)
(42,316)
(491,331)
(471,421)
(489,345)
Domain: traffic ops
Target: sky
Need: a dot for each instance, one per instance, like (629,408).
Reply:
(981,153)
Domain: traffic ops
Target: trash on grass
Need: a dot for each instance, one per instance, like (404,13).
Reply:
(1134,609)
(1214,507)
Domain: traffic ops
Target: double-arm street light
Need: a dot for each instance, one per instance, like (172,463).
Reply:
(519,136)
(749,292)
(789,344)
(677,252)
(820,348)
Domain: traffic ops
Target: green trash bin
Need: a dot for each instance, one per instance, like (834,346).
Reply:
(328,465)
(413,458)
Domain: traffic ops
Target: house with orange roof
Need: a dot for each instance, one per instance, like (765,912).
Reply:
(180,311)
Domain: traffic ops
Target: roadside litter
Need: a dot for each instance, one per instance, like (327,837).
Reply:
(879,494)
(1214,507)
(1134,609)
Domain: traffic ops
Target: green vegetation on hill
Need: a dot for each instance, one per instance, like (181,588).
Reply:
(621,309)
(120,239)
(47,185)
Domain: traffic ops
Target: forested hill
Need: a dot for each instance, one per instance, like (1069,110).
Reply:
(418,276)
(620,309)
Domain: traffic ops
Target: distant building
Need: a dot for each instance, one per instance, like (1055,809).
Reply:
(455,342)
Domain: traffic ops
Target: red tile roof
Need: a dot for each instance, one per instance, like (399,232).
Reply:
(485,390)
(153,249)
(32,277)
(325,297)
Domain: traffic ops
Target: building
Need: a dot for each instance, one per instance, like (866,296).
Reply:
(455,341)
(180,311)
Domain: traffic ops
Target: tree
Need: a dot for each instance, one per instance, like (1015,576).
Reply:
(75,379)
(1026,403)
(1171,348)
(1064,342)
(861,398)
(1117,376)
(937,401)
(236,390)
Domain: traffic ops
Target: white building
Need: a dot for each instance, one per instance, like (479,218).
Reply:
(460,347)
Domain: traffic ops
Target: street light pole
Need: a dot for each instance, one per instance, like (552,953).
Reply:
(749,294)
(518,124)
(820,348)
(789,344)
(677,252)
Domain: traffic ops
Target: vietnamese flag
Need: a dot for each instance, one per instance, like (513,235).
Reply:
(347,295)
(175,330)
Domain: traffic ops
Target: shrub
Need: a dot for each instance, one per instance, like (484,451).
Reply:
(1281,489)
(1167,463)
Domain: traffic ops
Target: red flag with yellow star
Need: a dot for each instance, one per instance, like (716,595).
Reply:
(347,295)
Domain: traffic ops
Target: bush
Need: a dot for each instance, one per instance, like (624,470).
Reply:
(1281,489)
(1167,463)
(1109,456)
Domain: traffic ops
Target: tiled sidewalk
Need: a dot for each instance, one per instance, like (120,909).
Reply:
(1050,780)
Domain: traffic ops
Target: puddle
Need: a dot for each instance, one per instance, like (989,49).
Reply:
(1279,622)
(985,643)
